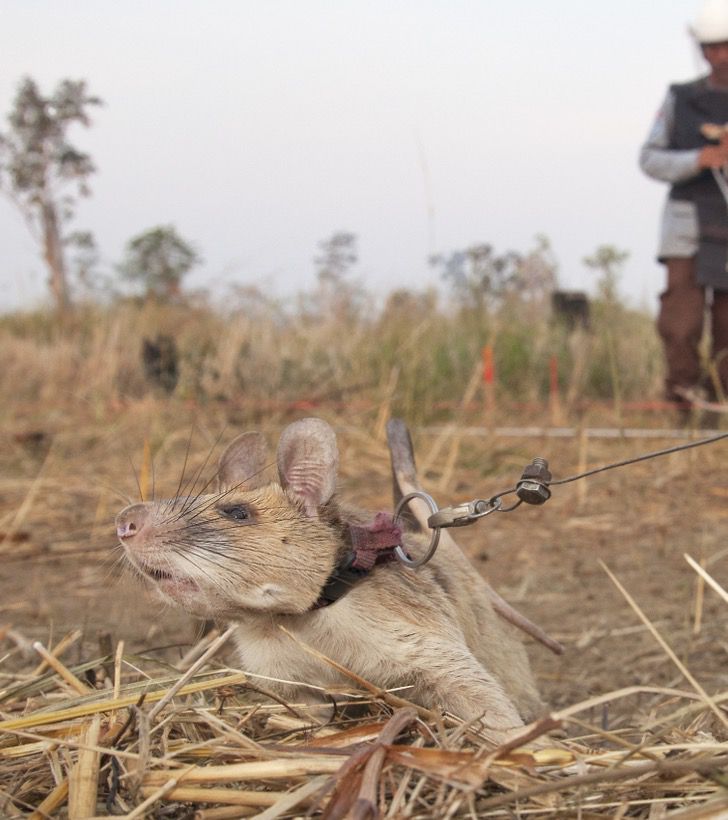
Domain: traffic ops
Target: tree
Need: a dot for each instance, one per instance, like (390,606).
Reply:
(608,260)
(537,272)
(338,295)
(478,277)
(159,259)
(43,173)
(482,279)
(338,255)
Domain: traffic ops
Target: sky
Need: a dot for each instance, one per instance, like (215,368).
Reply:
(258,128)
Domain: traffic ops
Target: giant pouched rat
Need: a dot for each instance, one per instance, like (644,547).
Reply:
(270,554)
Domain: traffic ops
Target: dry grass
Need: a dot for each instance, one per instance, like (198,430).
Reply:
(208,749)
(411,354)
(97,712)
(127,732)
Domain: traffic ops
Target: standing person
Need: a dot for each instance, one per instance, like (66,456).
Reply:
(694,236)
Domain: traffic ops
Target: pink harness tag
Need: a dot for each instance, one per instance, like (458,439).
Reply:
(374,542)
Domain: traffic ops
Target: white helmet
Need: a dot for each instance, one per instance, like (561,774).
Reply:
(711,22)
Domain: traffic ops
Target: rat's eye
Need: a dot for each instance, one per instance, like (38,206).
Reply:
(236,512)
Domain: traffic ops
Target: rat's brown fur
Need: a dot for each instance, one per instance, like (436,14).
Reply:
(259,553)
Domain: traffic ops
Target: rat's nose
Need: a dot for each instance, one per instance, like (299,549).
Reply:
(131,520)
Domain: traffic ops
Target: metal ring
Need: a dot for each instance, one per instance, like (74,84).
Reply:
(434,541)
(495,505)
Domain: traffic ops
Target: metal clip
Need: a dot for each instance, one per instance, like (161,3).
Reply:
(463,514)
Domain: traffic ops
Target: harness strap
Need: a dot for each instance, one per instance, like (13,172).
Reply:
(372,544)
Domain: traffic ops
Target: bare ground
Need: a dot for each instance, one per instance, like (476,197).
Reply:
(65,472)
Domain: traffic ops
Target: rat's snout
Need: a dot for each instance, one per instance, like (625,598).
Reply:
(131,520)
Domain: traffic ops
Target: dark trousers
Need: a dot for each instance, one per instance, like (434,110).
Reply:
(680,324)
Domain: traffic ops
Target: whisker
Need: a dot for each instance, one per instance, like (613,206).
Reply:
(204,464)
(123,497)
(222,493)
(136,477)
(215,582)
(184,464)
(228,564)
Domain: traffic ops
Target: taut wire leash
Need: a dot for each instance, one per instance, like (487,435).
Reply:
(532,488)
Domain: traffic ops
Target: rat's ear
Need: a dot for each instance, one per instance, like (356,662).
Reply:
(243,463)
(307,462)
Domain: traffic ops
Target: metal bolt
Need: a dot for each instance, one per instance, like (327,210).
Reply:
(533,486)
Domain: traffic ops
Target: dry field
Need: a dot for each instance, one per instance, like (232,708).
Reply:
(68,464)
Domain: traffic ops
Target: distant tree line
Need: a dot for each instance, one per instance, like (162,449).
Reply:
(44,174)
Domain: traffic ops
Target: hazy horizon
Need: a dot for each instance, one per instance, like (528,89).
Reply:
(259,129)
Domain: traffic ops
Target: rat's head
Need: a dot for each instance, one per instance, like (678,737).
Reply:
(253,545)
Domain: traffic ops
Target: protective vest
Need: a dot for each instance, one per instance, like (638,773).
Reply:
(696,103)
